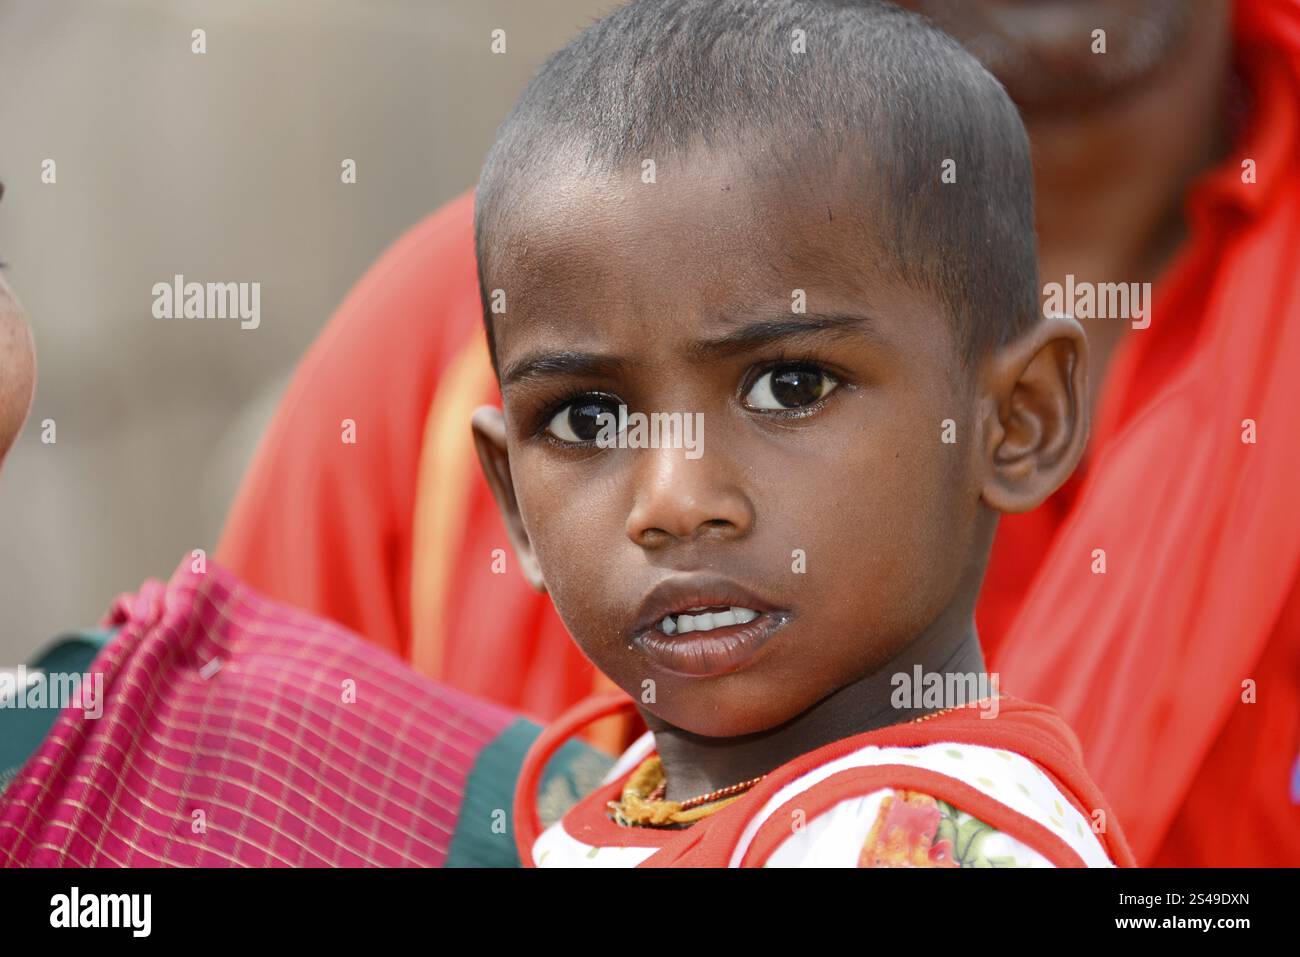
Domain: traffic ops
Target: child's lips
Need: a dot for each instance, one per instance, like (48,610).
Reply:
(704,625)
(701,654)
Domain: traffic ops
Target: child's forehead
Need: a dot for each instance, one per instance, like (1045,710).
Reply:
(665,269)
(712,228)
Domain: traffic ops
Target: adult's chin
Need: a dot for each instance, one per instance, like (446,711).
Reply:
(1043,51)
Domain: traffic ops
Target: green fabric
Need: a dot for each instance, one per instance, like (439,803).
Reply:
(485,830)
(23,729)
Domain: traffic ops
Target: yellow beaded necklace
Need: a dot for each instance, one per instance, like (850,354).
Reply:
(642,803)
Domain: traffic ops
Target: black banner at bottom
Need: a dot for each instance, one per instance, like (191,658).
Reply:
(487,907)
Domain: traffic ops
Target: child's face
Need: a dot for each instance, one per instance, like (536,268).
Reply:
(825,497)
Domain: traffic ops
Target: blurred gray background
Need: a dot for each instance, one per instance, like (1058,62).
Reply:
(224,167)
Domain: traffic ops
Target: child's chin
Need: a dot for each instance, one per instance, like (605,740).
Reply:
(710,718)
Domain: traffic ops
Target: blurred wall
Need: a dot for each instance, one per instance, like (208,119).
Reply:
(223,166)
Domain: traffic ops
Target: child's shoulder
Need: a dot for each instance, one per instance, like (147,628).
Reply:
(941,804)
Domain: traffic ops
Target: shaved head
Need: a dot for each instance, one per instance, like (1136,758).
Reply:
(801,91)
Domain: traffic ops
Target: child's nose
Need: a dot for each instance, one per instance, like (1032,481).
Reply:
(678,498)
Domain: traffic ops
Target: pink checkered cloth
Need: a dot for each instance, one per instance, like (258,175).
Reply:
(222,702)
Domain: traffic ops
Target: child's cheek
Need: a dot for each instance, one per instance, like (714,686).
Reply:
(574,539)
(903,518)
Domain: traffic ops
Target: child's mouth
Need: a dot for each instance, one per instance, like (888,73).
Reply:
(702,627)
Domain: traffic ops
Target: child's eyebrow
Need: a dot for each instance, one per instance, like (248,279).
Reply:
(547,365)
(752,335)
(764,332)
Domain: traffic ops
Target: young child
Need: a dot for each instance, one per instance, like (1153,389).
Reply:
(808,227)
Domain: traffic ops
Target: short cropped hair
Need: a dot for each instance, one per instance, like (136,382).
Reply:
(873,83)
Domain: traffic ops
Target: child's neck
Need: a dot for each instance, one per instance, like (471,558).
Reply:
(696,765)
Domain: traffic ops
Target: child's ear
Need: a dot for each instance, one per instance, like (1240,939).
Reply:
(1037,411)
(490,440)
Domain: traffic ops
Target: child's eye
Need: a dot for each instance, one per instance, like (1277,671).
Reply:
(580,420)
(790,387)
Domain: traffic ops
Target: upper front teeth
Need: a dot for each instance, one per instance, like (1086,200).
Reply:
(681,624)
